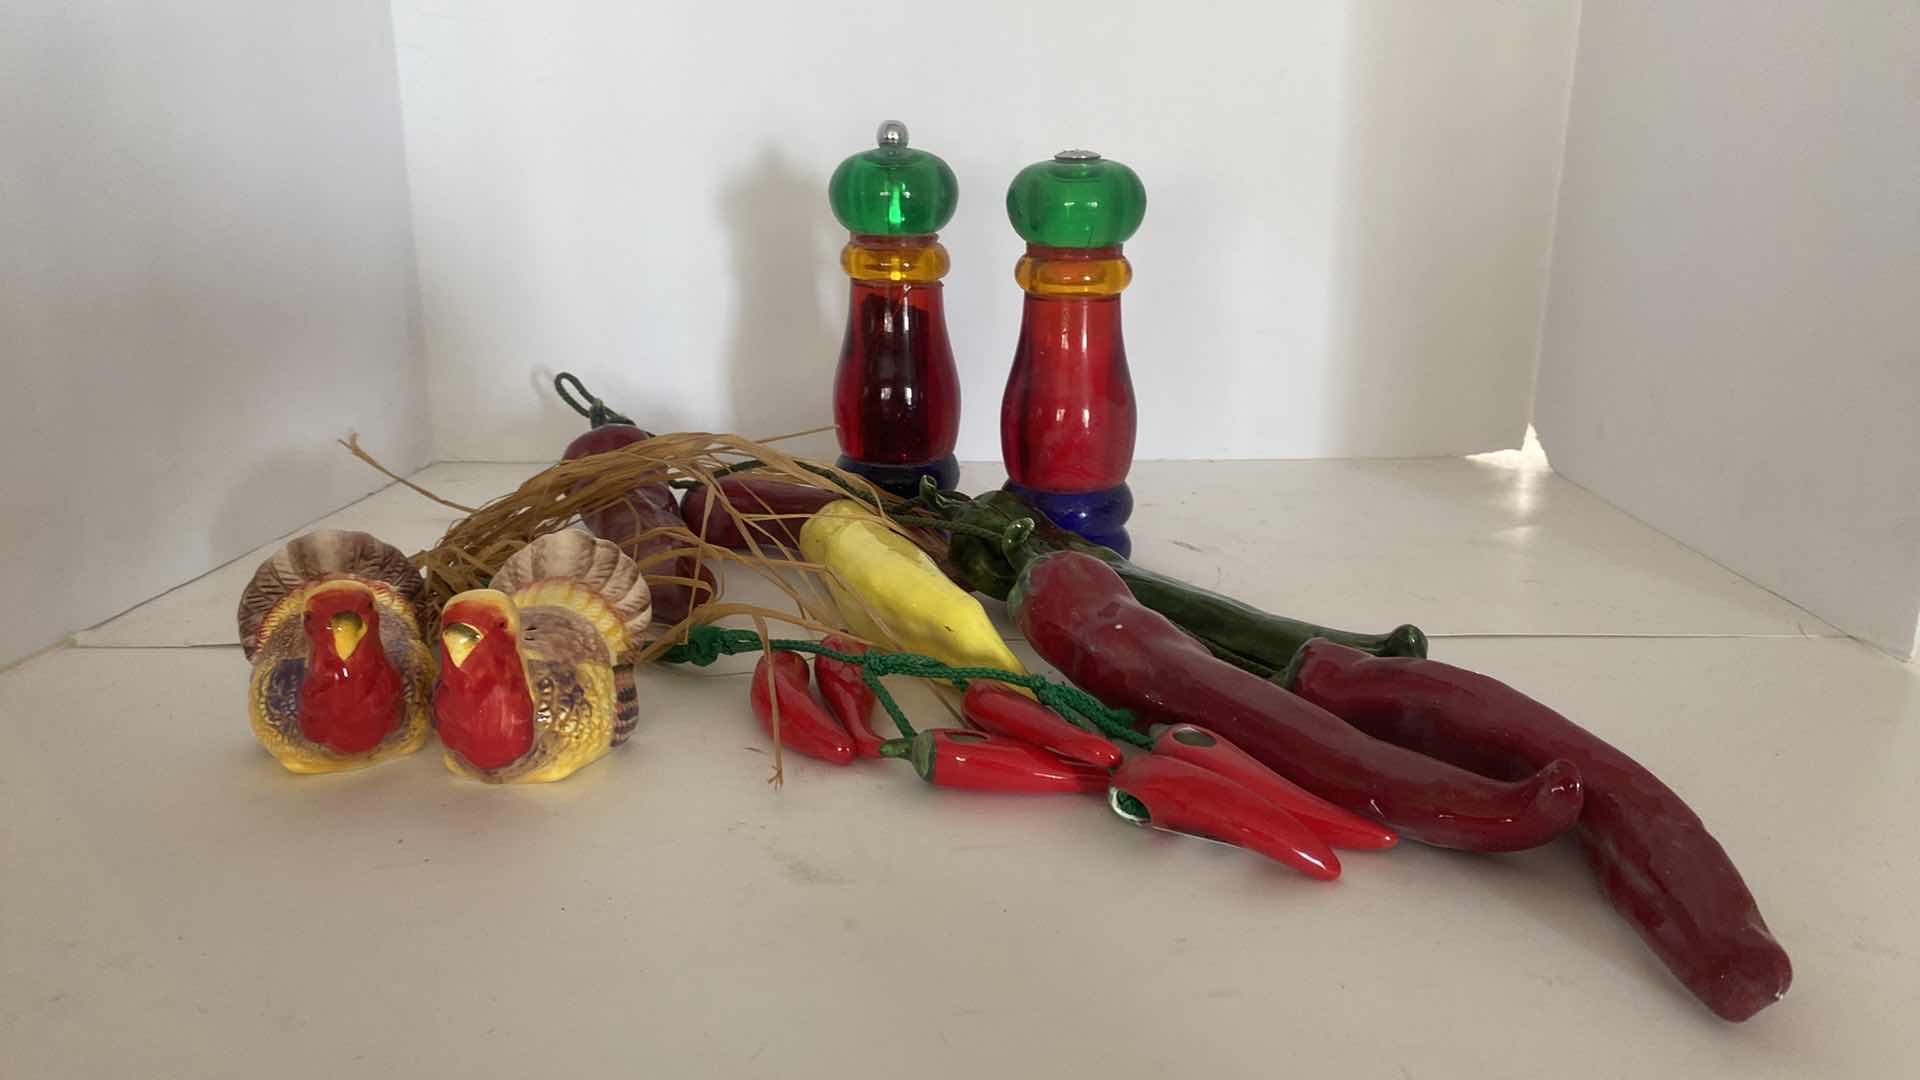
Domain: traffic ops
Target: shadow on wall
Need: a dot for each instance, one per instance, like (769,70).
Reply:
(1443,204)
(782,345)
(253,510)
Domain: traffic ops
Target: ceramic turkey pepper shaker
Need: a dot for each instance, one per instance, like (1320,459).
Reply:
(896,394)
(1067,420)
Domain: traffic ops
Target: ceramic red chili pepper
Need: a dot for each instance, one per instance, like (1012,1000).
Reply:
(977,761)
(804,726)
(751,496)
(1198,746)
(1658,865)
(847,694)
(1082,619)
(1182,797)
(992,707)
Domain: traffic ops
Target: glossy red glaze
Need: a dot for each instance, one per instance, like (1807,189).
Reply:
(350,705)
(1198,746)
(648,506)
(1657,864)
(1181,797)
(1082,619)
(805,727)
(604,438)
(627,521)
(482,707)
(750,496)
(847,694)
(992,707)
(608,437)
(1067,418)
(976,761)
(896,393)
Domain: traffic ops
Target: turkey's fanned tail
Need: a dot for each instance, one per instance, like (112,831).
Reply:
(591,577)
(321,555)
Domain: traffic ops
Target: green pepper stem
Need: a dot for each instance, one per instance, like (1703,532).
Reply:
(1287,676)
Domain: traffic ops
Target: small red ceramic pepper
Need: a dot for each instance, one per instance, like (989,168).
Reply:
(847,694)
(976,761)
(804,726)
(1181,797)
(1198,746)
(992,707)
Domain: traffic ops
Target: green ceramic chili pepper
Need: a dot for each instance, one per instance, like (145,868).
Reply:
(1238,633)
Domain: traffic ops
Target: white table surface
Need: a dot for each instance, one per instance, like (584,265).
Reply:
(173,904)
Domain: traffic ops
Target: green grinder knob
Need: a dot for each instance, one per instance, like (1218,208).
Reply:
(893,189)
(1078,199)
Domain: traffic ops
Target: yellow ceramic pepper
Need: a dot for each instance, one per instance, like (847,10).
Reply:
(889,590)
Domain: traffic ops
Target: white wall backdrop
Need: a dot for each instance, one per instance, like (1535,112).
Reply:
(1350,207)
(210,261)
(207,278)
(1732,352)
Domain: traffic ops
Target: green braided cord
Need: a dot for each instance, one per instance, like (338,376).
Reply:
(894,711)
(705,644)
(597,412)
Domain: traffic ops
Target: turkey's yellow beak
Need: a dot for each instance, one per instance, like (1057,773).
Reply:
(347,629)
(460,640)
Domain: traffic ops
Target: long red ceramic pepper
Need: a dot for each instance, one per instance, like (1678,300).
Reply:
(847,694)
(1082,619)
(976,761)
(804,727)
(755,495)
(1198,746)
(1658,865)
(1182,797)
(992,707)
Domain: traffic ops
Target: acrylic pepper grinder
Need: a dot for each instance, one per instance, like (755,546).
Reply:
(1067,420)
(896,394)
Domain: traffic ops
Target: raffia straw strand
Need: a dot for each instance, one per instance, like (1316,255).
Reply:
(474,548)
(352,443)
